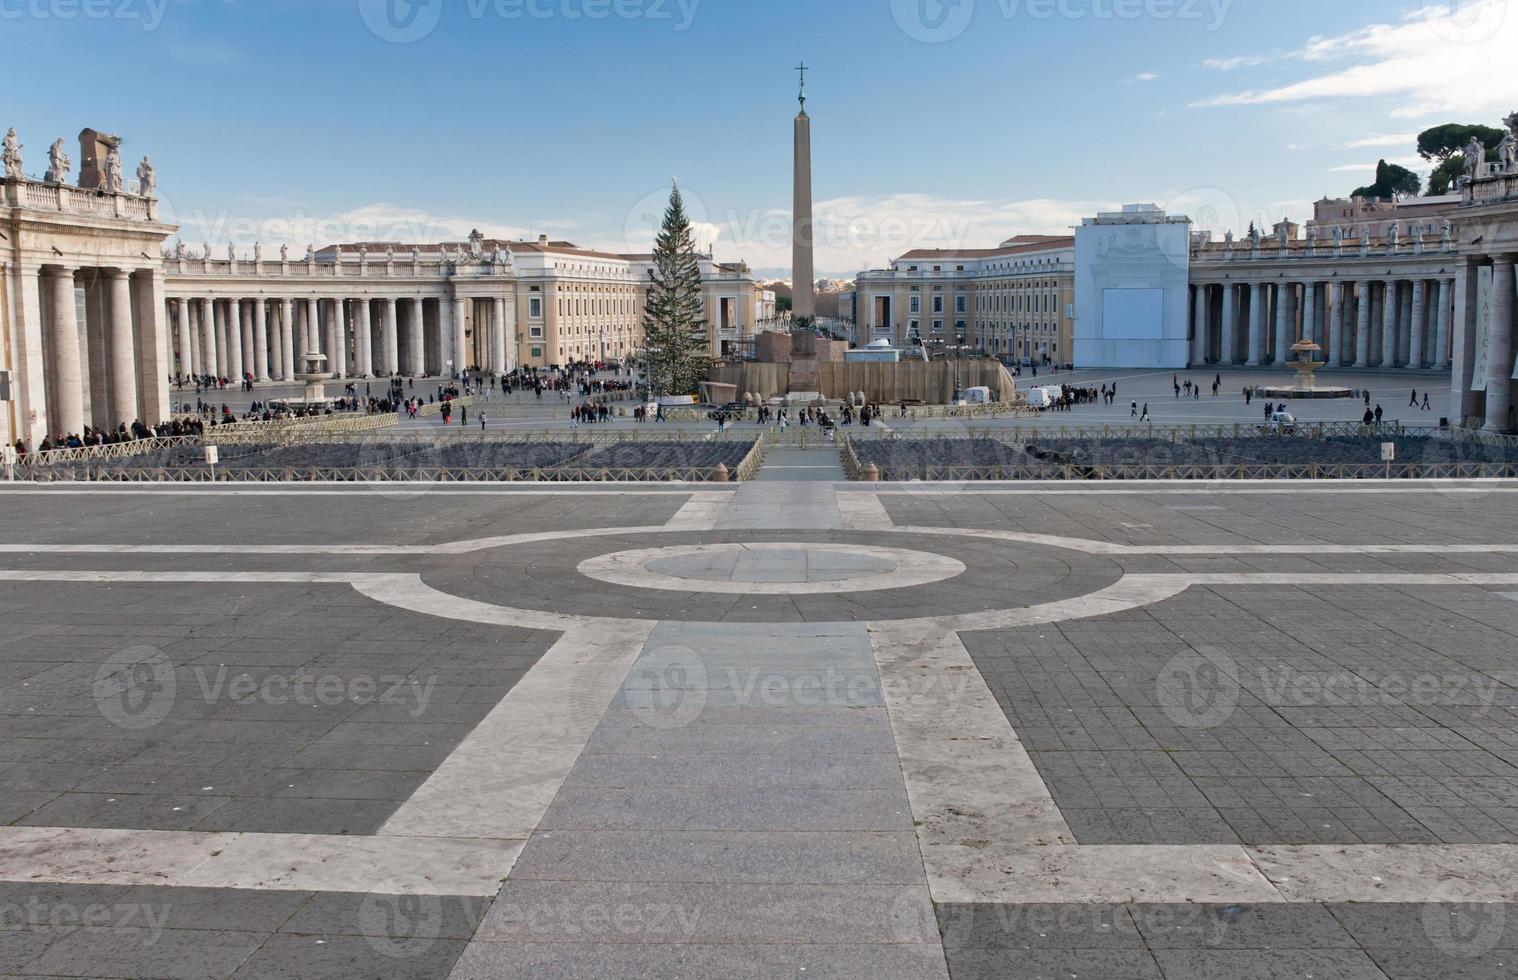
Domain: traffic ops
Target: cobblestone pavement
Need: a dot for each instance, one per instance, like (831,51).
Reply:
(792,728)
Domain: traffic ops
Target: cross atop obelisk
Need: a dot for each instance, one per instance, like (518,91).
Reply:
(803,302)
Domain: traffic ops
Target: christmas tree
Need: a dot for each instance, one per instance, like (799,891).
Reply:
(674,331)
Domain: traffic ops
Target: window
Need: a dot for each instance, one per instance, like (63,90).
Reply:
(916,304)
(537,352)
(537,333)
(535,307)
(937,304)
(938,326)
(959,304)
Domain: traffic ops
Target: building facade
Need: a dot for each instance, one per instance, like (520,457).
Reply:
(1130,289)
(99,316)
(1015,301)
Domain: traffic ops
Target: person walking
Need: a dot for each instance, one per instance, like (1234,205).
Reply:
(1145,416)
(482,421)
(1414,402)
(1133,410)
(1426,407)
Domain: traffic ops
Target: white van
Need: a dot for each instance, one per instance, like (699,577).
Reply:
(976,396)
(1039,398)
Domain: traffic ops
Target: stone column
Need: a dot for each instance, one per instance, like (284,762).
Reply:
(1362,323)
(392,340)
(1309,314)
(154,346)
(67,378)
(363,340)
(287,339)
(186,365)
(337,339)
(446,359)
(249,357)
(222,370)
(1256,323)
(1499,363)
(1199,328)
(460,340)
(208,357)
(122,349)
(1463,343)
(313,327)
(416,333)
(1335,355)
(260,340)
(498,335)
(1441,323)
(1390,307)
(1283,322)
(1230,324)
(237,331)
(1419,338)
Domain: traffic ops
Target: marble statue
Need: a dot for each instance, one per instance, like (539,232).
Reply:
(11,155)
(1283,235)
(389,254)
(147,177)
(476,245)
(416,255)
(115,181)
(284,253)
(231,252)
(1365,234)
(179,250)
(1446,234)
(258,252)
(58,164)
(1254,238)
(1508,151)
(310,254)
(1475,156)
(1338,236)
(498,257)
(1393,236)
(1228,240)
(363,253)
(207,252)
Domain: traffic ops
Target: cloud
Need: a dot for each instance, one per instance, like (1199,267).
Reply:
(1412,162)
(1439,59)
(866,232)
(1241,61)
(1396,139)
(378,222)
(1146,76)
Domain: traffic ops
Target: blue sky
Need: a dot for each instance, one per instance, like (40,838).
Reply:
(934,124)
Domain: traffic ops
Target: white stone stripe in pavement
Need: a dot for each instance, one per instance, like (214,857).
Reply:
(273,862)
(863,512)
(701,511)
(501,778)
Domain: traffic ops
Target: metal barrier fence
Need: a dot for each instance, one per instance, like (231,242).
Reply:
(1242,471)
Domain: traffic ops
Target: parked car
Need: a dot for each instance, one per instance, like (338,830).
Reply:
(1284,422)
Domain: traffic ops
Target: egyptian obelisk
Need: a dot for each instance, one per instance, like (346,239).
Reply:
(803,280)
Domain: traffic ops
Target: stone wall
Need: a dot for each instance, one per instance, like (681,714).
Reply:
(929,382)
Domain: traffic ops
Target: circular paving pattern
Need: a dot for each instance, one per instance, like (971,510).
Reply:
(771,568)
(788,576)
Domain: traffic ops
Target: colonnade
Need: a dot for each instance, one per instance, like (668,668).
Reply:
(1392,322)
(89,347)
(268,338)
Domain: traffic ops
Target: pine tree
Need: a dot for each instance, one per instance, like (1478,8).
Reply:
(674,331)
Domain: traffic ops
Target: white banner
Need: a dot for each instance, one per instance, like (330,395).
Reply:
(1483,321)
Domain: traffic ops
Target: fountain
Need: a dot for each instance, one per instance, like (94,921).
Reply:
(313,377)
(1305,361)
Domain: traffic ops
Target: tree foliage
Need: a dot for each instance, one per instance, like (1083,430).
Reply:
(1391,181)
(674,331)
(1444,142)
